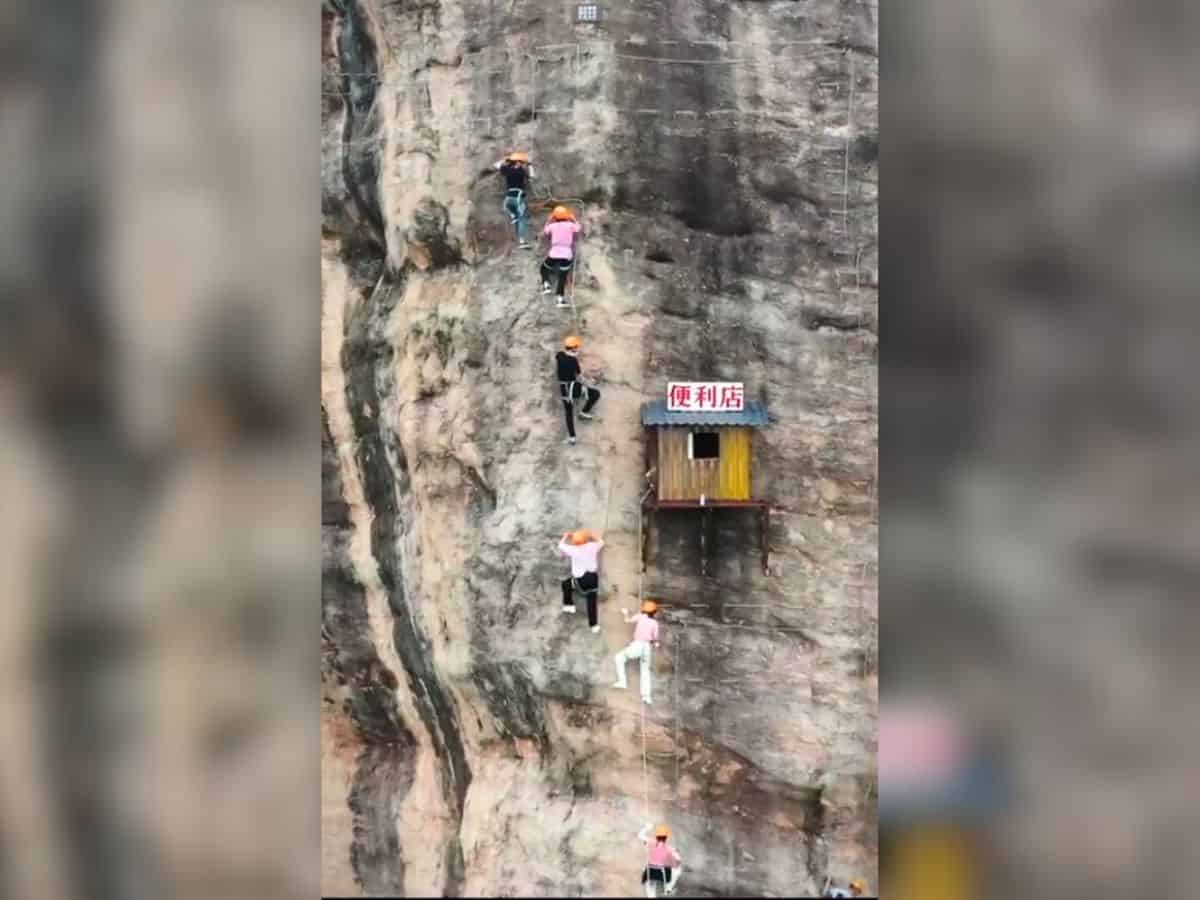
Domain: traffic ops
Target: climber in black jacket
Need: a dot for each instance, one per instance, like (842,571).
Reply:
(571,387)
(516,172)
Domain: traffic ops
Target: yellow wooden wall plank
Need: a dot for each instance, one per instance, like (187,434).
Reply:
(727,478)
(933,863)
(735,464)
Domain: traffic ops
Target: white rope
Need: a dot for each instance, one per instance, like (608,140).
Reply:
(825,48)
(678,677)
(533,114)
(692,115)
(640,596)
(574,274)
(645,778)
(769,629)
(846,169)
(645,782)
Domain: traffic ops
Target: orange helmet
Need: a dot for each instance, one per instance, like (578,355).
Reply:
(572,342)
(858,886)
(561,213)
(518,156)
(582,536)
(662,831)
(649,607)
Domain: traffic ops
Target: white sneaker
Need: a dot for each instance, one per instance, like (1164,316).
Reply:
(619,686)
(584,415)
(525,245)
(546,289)
(562,304)
(570,441)
(595,629)
(568,609)
(647,701)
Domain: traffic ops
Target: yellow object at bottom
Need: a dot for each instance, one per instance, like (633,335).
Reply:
(931,864)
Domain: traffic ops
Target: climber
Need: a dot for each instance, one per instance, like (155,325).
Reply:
(645,633)
(583,548)
(561,229)
(517,172)
(663,864)
(570,385)
(856,888)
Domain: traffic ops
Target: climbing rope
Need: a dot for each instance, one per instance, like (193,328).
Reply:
(541,204)
(645,779)
(533,119)
(576,263)
(645,776)
(677,677)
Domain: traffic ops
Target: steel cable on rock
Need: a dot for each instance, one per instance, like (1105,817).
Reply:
(645,776)
(576,268)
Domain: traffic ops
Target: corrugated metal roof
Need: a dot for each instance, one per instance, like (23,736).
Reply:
(656,413)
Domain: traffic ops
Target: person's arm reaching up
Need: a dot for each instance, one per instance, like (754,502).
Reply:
(644,834)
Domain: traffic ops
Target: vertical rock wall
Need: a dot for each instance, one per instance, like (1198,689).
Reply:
(722,156)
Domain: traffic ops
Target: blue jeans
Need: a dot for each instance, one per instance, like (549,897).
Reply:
(518,215)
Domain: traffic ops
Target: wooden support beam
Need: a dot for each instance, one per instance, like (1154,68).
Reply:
(651,462)
(649,538)
(713,504)
(644,537)
(646,532)
(764,533)
(706,539)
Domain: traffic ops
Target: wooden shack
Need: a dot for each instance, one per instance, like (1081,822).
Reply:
(701,461)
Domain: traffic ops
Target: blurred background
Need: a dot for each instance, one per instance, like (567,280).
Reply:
(1040,540)
(159,448)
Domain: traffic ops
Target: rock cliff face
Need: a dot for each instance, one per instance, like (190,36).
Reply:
(722,156)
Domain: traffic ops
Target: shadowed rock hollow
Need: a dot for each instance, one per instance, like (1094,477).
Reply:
(722,156)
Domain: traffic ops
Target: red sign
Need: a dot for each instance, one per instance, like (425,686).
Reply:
(706,396)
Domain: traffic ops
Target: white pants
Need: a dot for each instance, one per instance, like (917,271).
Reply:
(636,650)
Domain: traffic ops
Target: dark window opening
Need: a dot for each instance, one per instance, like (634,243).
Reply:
(706,445)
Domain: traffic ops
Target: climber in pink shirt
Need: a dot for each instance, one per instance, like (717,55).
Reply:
(561,230)
(645,633)
(583,548)
(663,862)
